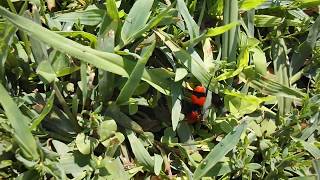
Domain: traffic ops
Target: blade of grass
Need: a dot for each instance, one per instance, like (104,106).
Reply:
(225,36)
(316,166)
(136,19)
(44,112)
(91,16)
(281,70)
(7,31)
(246,5)
(220,150)
(106,42)
(221,29)
(103,60)
(136,74)
(307,132)
(73,34)
(22,134)
(203,9)
(176,105)
(152,23)
(271,21)
(140,152)
(39,50)
(304,50)
(192,26)
(233,33)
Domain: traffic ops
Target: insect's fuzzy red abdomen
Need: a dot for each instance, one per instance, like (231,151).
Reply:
(198,96)
(193,117)
(199,101)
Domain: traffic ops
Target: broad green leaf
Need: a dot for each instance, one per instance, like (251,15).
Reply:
(136,19)
(192,26)
(46,110)
(60,147)
(113,143)
(115,169)
(106,61)
(91,16)
(176,105)
(271,21)
(221,29)
(268,127)
(22,134)
(185,135)
(180,74)
(255,128)
(76,164)
(141,154)
(61,64)
(246,5)
(241,104)
(259,60)
(46,72)
(136,74)
(86,144)
(220,150)
(106,129)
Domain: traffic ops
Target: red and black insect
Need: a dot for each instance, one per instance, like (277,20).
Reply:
(195,112)
(198,99)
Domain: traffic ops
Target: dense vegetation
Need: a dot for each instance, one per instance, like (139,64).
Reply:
(100,89)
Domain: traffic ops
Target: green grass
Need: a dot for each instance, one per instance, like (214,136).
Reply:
(101,89)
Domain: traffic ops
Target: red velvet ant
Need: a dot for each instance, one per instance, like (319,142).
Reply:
(195,112)
(198,99)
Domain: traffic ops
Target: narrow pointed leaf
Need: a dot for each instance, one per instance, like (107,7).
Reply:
(219,151)
(136,19)
(19,124)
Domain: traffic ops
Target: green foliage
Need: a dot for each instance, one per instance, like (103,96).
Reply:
(101,89)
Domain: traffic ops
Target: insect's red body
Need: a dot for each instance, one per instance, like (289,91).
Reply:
(198,99)
(198,96)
